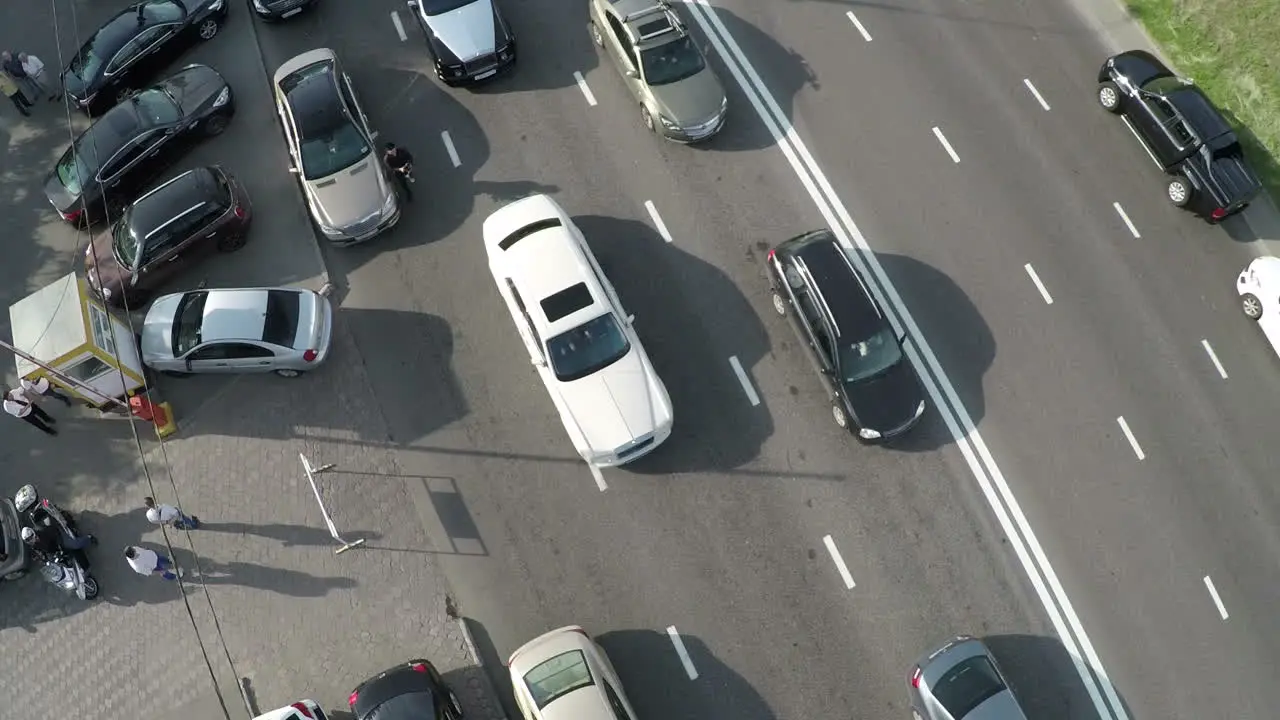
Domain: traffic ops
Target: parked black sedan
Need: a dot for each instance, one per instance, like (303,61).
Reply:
(412,691)
(110,164)
(271,10)
(130,48)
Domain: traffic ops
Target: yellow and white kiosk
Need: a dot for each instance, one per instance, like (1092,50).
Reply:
(65,327)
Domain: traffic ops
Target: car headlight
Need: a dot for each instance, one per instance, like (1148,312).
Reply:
(868,434)
(328,230)
(389,206)
(216,4)
(257,5)
(668,124)
(223,97)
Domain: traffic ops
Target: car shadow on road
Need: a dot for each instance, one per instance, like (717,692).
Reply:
(90,457)
(539,67)
(957,333)
(1044,677)
(653,673)
(691,318)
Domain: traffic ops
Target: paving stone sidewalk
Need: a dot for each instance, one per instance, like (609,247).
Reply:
(297,619)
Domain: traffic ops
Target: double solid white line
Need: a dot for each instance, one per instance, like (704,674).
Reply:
(961,426)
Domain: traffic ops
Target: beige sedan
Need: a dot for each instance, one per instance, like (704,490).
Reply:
(565,675)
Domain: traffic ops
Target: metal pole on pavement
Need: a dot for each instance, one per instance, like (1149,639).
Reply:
(333,530)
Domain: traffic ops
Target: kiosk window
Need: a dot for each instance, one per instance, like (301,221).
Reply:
(87,369)
(100,327)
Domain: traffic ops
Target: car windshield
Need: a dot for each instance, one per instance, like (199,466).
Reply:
(73,171)
(437,7)
(125,244)
(592,346)
(870,356)
(155,108)
(558,676)
(187,322)
(333,150)
(967,685)
(671,62)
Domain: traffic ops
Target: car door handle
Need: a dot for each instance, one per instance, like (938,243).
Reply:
(264,362)
(175,258)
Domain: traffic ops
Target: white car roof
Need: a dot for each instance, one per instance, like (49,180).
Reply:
(541,263)
(234,315)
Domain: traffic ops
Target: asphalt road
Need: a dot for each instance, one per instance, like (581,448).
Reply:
(721,533)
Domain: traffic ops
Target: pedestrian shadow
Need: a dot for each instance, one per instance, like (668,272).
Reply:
(251,575)
(648,664)
(287,535)
(1044,677)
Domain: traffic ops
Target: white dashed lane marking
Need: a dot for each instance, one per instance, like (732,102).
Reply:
(1044,293)
(395,20)
(937,132)
(657,220)
(448,146)
(586,91)
(854,19)
(1124,427)
(678,642)
(1213,357)
(1036,93)
(1217,600)
(752,397)
(1127,222)
(839,561)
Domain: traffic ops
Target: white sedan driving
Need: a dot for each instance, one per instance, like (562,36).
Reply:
(581,341)
(1259,288)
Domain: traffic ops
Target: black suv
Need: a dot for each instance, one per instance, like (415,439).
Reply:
(874,389)
(1183,132)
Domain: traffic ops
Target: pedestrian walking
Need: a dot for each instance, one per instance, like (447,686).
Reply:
(161,514)
(400,162)
(34,68)
(17,404)
(10,88)
(150,562)
(41,388)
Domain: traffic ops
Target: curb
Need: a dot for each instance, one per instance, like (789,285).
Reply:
(498,712)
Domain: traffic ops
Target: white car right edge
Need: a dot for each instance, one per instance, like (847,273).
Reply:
(580,340)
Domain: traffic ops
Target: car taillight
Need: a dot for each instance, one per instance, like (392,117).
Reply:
(351,699)
(770,256)
(915,678)
(309,355)
(419,667)
(301,708)
(72,215)
(239,211)
(1218,213)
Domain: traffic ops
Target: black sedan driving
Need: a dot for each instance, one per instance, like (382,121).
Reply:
(130,48)
(112,162)
(469,40)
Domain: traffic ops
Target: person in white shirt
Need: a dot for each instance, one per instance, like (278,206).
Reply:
(42,388)
(161,514)
(17,404)
(149,562)
(35,76)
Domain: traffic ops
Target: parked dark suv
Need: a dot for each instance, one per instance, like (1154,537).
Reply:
(1183,132)
(176,224)
(874,390)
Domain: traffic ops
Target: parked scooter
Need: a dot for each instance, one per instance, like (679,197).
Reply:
(65,568)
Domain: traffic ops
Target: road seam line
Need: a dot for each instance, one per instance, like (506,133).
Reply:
(937,132)
(1214,357)
(448,146)
(839,561)
(1213,592)
(1125,217)
(685,660)
(395,20)
(1124,427)
(586,91)
(1048,299)
(1034,91)
(746,382)
(995,487)
(657,220)
(854,19)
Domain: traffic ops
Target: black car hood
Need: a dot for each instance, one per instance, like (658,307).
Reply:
(887,401)
(194,87)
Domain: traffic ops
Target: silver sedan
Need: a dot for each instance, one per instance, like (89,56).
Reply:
(287,331)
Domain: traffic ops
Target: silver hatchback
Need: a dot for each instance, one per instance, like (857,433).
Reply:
(961,681)
(287,331)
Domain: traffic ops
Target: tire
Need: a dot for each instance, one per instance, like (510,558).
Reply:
(779,304)
(1251,306)
(123,94)
(1109,97)
(1178,191)
(90,587)
(215,125)
(208,29)
(840,416)
(647,118)
(596,37)
(288,373)
(231,243)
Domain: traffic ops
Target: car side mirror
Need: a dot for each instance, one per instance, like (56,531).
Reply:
(188,362)
(133,279)
(632,74)
(293,169)
(631,318)
(413,4)
(828,371)
(539,362)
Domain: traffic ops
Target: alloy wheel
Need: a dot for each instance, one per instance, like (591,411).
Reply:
(779,304)
(1178,192)
(208,29)
(838,414)
(596,37)
(288,372)
(1251,305)
(646,117)
(1108,97)
(90,588)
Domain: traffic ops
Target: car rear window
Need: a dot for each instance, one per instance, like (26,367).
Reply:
(528,230)
(557,677)
(967,685)
(281,325)
(566,302)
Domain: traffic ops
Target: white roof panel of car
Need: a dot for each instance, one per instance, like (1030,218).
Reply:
(234,315)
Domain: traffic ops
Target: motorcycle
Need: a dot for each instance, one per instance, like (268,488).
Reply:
(65,569)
